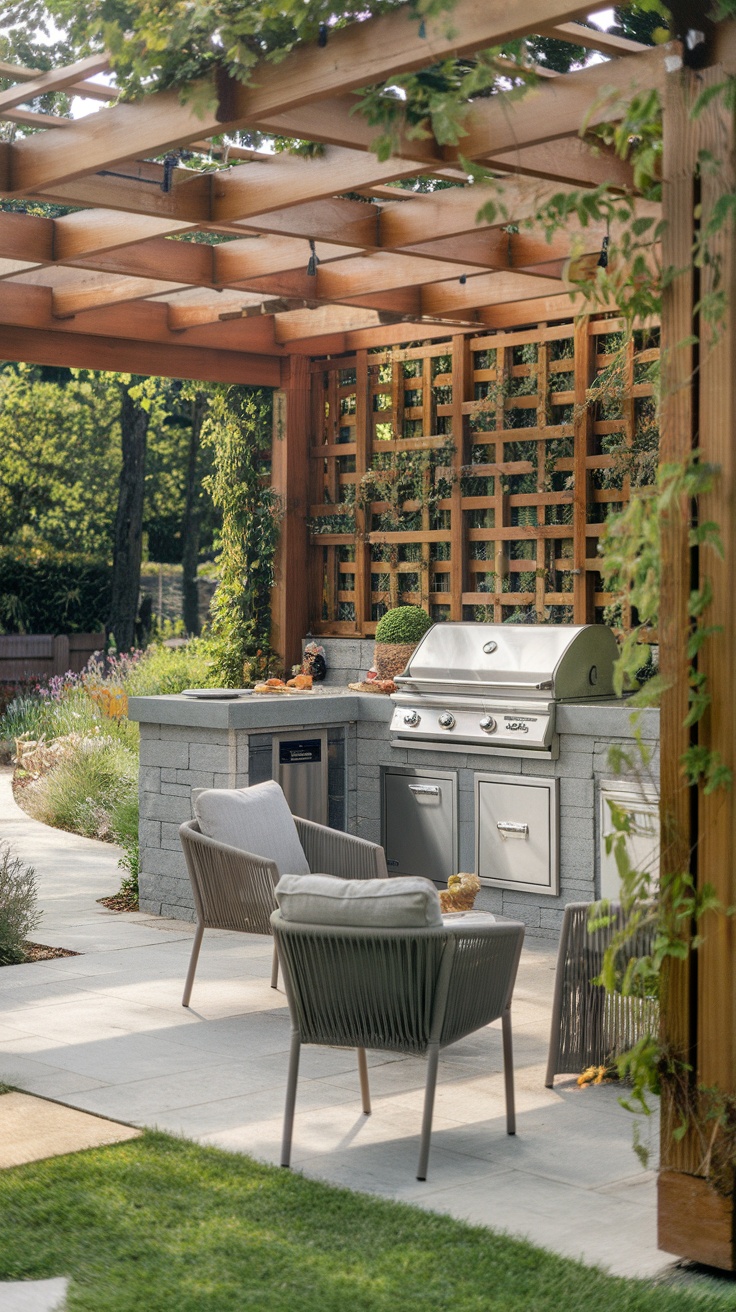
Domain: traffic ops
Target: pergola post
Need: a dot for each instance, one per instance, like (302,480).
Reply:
(696,1213)
(290,479)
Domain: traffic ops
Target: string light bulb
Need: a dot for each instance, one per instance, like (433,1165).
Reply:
(313,260)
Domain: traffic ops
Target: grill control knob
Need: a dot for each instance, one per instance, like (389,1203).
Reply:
(412,718)
(447,720)
(488,724)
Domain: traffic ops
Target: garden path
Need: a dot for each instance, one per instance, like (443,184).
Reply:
(105,1032)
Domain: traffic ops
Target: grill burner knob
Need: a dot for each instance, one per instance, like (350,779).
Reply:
(488,724)
(447,720)
(412,718)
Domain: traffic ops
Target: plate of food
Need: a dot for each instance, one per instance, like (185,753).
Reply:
(216,694)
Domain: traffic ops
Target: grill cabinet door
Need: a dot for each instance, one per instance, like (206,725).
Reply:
(516,833)
(419,823)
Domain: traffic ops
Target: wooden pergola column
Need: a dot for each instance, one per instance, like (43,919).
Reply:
(290,479)
(696,1219)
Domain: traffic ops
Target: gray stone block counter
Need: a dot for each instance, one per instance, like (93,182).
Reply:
(187,744)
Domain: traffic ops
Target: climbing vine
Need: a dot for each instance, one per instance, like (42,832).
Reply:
(238,427)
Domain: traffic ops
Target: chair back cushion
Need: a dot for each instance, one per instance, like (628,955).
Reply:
(399,903)
(256,820)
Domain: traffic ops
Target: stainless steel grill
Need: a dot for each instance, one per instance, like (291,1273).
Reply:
(496,686)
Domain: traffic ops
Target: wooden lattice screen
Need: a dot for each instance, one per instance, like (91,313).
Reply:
(472,475)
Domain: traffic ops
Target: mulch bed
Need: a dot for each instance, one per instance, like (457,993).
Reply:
(119,902)
(40,952)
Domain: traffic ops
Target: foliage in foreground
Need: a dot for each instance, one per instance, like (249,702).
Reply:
(169,1226)
(18,914)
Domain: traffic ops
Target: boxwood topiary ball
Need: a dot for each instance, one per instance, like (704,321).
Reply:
(403,624)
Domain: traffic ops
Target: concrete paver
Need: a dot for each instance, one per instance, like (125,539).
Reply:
(33,1295)
(105,1032)
(32,1128)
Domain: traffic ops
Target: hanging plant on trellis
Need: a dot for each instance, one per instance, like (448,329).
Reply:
(397,477)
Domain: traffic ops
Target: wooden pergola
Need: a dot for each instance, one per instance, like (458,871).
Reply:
(309,259)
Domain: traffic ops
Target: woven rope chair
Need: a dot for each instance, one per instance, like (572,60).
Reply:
(590,1027)
(234,889)
(396,990)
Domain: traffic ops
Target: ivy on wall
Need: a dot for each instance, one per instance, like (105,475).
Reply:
(238,427)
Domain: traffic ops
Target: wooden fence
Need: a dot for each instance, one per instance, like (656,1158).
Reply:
(33,655)
(472,476)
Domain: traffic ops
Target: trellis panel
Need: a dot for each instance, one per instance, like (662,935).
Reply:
(472,476)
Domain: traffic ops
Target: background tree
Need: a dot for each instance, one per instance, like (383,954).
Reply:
(59,461)
(128,532)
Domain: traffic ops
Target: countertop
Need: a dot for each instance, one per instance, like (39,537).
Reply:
(609,718)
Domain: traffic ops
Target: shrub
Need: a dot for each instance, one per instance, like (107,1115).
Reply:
(171,669)
(40,715)
(54,593)
(18,913)
(83,792)
(125,832)
(403,624)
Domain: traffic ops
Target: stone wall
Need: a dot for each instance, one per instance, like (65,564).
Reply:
(348,659)
(174,760)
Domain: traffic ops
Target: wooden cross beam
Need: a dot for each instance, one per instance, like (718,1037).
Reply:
(356,56)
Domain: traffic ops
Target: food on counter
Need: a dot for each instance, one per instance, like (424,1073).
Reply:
(275,683)
(301,681)
(271,687)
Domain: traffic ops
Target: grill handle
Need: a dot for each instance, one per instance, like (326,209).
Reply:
(425,790)
(505,827)
(411,680)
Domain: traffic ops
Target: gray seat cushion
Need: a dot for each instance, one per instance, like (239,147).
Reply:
(254,819)
(401,903)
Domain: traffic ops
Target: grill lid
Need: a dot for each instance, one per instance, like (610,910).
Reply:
(563,661)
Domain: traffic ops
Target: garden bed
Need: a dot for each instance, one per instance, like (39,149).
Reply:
(76,752)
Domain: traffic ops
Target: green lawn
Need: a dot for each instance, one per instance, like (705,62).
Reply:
(162,1225)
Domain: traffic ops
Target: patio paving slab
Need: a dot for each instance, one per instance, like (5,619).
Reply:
(33,1295)
(105,1033)
(33,1128)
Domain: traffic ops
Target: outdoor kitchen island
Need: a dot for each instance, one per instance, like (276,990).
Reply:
(379,790)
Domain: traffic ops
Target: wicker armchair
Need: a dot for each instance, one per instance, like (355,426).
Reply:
(589,1025)
(397,990)
(233,889)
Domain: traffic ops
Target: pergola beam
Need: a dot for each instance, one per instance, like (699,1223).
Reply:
(356,56)
(87,90)
(57,79)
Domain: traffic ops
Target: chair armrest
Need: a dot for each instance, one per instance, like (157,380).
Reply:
(332,852)
(232,889)
(481,977)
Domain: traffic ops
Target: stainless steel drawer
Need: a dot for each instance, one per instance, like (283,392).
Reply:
(516,833)
(419,813)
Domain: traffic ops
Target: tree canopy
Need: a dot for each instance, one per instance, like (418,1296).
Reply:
(60,462)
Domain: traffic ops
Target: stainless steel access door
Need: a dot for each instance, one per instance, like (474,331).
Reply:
(300,766)
(516,835)
(419,812)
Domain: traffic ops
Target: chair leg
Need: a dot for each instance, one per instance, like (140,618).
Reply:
(432,1061)
(275,968)
(290,1100)
(193,964)
(365,1092)
(508,1072)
